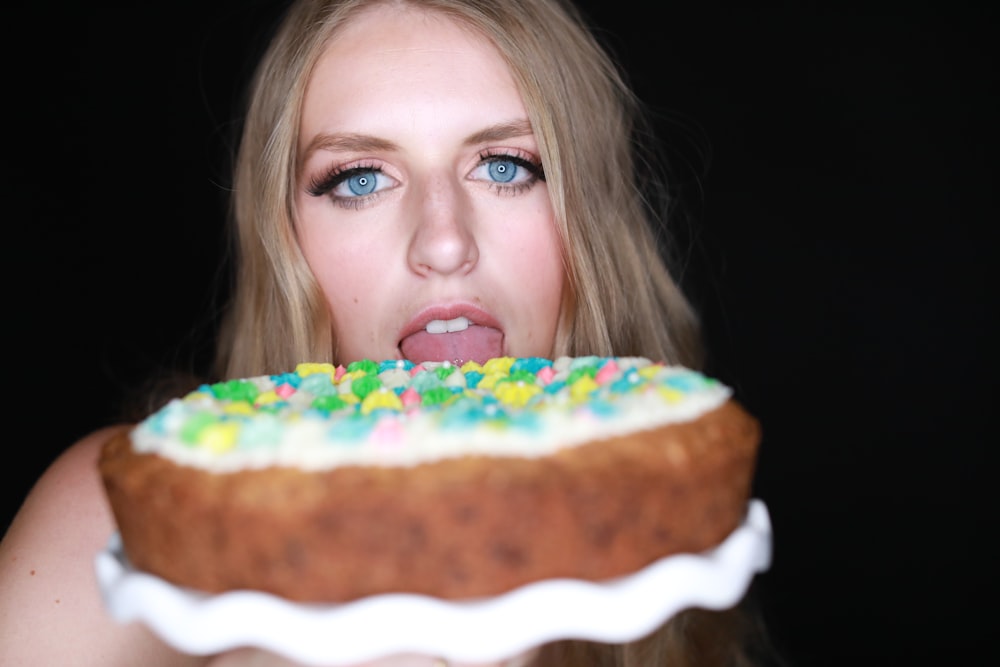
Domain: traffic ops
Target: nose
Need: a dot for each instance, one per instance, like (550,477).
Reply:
(443,240)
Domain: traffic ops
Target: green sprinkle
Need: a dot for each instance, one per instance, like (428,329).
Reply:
(192,428)
(366,366)
(235,390)
(329,403)
(365,385)
(586,371)
(444,371)
(527,377)
(436,396)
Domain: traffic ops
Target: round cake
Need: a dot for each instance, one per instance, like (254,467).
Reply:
(331,483)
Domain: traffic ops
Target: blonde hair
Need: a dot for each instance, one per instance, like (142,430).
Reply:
(621,298)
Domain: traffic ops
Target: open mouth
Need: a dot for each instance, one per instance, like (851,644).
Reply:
(457,340)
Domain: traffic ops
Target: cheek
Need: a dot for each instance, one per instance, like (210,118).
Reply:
(347,292)
(537,268)
(546,283)
(531,265)
(534,248)
(338,263)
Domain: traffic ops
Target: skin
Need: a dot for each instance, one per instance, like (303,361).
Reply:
(50,610)
(441,240)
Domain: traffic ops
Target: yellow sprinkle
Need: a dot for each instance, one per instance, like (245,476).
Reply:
(219,437)
(490,380)
(348,397)
(381,399)
(498,365)
(238,408)
(472,366)
(671,395)
(649,372)
(351,376)
(580,390)
(307,368)
(516,394)
(267,398)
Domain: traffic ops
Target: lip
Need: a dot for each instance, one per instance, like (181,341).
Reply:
(476,317)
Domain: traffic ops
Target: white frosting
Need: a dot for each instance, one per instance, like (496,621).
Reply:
(300,436)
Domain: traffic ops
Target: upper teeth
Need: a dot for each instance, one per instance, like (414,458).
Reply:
(448,326)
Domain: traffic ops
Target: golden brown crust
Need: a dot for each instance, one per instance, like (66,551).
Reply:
(457,528)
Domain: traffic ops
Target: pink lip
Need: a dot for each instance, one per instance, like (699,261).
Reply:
(447,312)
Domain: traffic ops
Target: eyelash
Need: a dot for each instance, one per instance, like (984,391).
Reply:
(325,184)
(533,167)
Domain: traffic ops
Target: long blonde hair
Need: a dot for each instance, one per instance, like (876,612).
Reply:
(621,298)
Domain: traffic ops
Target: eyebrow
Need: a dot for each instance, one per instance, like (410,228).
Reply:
(347,142)
(499,132)
(366,143)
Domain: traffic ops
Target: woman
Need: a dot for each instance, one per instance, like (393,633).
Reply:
(431,179)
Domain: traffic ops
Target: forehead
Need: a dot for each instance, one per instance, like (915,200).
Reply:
(414,78)
(388,50)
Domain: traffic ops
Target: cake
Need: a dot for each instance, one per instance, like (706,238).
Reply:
(330,483)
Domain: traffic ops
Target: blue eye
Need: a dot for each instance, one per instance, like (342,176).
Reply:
(358,183)
(361,184)
(508,174)
(502,171)
(350,184)
(353,187)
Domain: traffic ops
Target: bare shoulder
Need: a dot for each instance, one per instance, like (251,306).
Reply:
(50,607)
(66,506)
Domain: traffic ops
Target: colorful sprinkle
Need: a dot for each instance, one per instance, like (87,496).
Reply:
(373,403)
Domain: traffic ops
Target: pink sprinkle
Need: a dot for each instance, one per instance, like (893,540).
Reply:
(416,369)
(410,397)
(284,390)
(387,433)
(607,372)
(339,373)
(546,374)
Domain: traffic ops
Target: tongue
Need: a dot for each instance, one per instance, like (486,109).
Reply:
(476,343)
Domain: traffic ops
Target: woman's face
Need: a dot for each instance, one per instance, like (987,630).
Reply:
(421,205)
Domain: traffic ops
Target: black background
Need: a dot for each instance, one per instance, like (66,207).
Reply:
(837,169)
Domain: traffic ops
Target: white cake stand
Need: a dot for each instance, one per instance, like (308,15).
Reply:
(480,630)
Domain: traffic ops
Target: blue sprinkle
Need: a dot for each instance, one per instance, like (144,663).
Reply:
(585,362)
(530,364)
(602,408)
(353,429)
(318,384)
(684,382)
(393,364)
(526,421)
(627,382)
(555,387)
(287,378)
(425,380)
